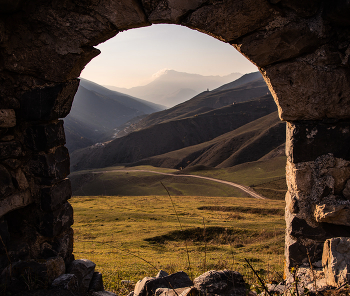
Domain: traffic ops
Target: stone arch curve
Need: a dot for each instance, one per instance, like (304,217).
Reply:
(302,49)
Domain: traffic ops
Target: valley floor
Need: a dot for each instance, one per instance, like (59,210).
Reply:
(130,237)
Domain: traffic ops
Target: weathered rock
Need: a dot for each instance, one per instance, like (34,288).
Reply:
(48,103)
(52,197)
(53,165)
(83,270)
(304,90)
(10,149)
(125,14)
(336,260)
(171,11)
(15,201)
(7,118)
(223,282)
(6,185)
(43,137)
(289,39)
(148,285)
(103,293)
(333,213)
(96,283)
(161,273)
(303,8)
(230,19)
(20,179)
(53,223)
(307,140)
(66,281)
(175,292)
(44,271)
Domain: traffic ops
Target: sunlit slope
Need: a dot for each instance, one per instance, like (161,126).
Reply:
(173,135)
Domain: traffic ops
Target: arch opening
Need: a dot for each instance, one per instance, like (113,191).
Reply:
(302,50)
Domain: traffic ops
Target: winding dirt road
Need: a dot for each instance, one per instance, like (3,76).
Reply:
(241,187)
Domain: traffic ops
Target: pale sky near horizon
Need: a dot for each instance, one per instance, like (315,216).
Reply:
(132,57)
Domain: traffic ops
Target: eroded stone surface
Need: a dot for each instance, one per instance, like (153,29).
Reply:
(148,285)
(223,282)
(336,260)
(313,87)
(83,269)
(7,118)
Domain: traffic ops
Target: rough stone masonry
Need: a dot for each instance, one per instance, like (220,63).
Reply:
(302,48)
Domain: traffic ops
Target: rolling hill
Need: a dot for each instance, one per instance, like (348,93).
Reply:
(243,89)
(97,110)
(172,135)
(247,143)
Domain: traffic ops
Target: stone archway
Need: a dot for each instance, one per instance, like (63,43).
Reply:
(302,49)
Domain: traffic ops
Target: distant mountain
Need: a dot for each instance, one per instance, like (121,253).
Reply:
(97,110)
(174,87)
(243,89)
(172,135)
(257,140)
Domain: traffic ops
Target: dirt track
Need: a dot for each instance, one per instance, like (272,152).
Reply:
(241,187)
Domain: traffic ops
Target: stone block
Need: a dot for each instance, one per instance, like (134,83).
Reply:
(148,285)
(303,8)
(48,103)
(43,137)
(66,281)
(223,282)
(54,196)
(229,20)
(336,261)
(175,292)
(9,103)
(6,184)
(83,269)
(268,46)
(171,10)
(125,14)
(7,118)
(15,201)
(304,90)
(4,235)
(20,180)
(52,165)
(103,293)
(51,224)
(335,213)
(10,149)
(63,244)
(40,272)
(307,140)
(96,283)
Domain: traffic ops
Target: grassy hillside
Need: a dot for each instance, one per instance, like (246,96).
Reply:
(247,143)
(146,184)
(97,110)
(266,177)
(240,90)
(172,135)
(117,233)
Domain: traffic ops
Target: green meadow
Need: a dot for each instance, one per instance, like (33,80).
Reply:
(128,225)
(135,236)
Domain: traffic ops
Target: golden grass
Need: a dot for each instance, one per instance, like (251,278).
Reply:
(120,233)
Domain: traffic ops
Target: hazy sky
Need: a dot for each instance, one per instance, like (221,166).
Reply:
(132,57)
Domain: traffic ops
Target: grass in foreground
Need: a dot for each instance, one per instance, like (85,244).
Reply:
(119,233)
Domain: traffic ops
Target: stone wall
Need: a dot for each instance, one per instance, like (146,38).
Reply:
(302,49)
